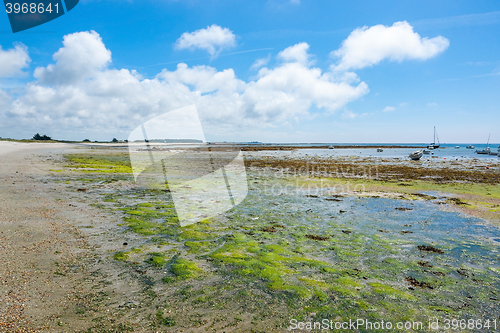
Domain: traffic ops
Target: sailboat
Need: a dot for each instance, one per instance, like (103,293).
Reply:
(434,145)
(486,151)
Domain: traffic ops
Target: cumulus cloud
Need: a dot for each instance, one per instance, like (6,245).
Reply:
(103,100)
(292,88)
(82,56)
(204,79)
(389,109)
(79,92)
(13,61)
(296,53)
(5,100)
(213,39)
(368,46)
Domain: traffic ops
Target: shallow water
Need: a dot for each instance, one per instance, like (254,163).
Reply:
(449,153)
(379,238)
(425,221)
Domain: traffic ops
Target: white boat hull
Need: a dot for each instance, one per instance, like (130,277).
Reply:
(416,155)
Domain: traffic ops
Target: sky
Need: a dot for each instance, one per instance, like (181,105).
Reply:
(269,71)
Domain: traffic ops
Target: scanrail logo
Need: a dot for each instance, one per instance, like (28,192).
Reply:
(170,152)
(26,14)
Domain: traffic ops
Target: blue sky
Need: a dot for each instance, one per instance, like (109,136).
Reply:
(274,71)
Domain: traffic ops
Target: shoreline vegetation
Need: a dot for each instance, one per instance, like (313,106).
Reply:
(336,238)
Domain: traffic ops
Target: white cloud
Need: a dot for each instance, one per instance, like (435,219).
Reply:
(389,109)
(204,79)
(296,53)
(432,104)
(295,2)
(260,62)
(213,39)
(5,100)
(291,89)
(368,46)
(13,61)
(101,101)
(82,56)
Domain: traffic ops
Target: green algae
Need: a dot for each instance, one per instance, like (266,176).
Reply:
(165,320)
(122,256)
(191,234)
(184,269)
(146,204)
(99,163)
(199,247)
(495,269)
(143,227)
(389,291)
(157,259)
(273,263)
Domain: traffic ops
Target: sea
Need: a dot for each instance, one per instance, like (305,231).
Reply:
(445,151)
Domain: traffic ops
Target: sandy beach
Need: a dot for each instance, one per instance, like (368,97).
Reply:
(39,242)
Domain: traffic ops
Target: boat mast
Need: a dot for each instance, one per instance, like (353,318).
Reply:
(434,142)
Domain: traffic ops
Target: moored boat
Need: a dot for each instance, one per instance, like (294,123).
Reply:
(426,152)
(487,150)
(470,147)
(434,145)
(416,155)
(379,150)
